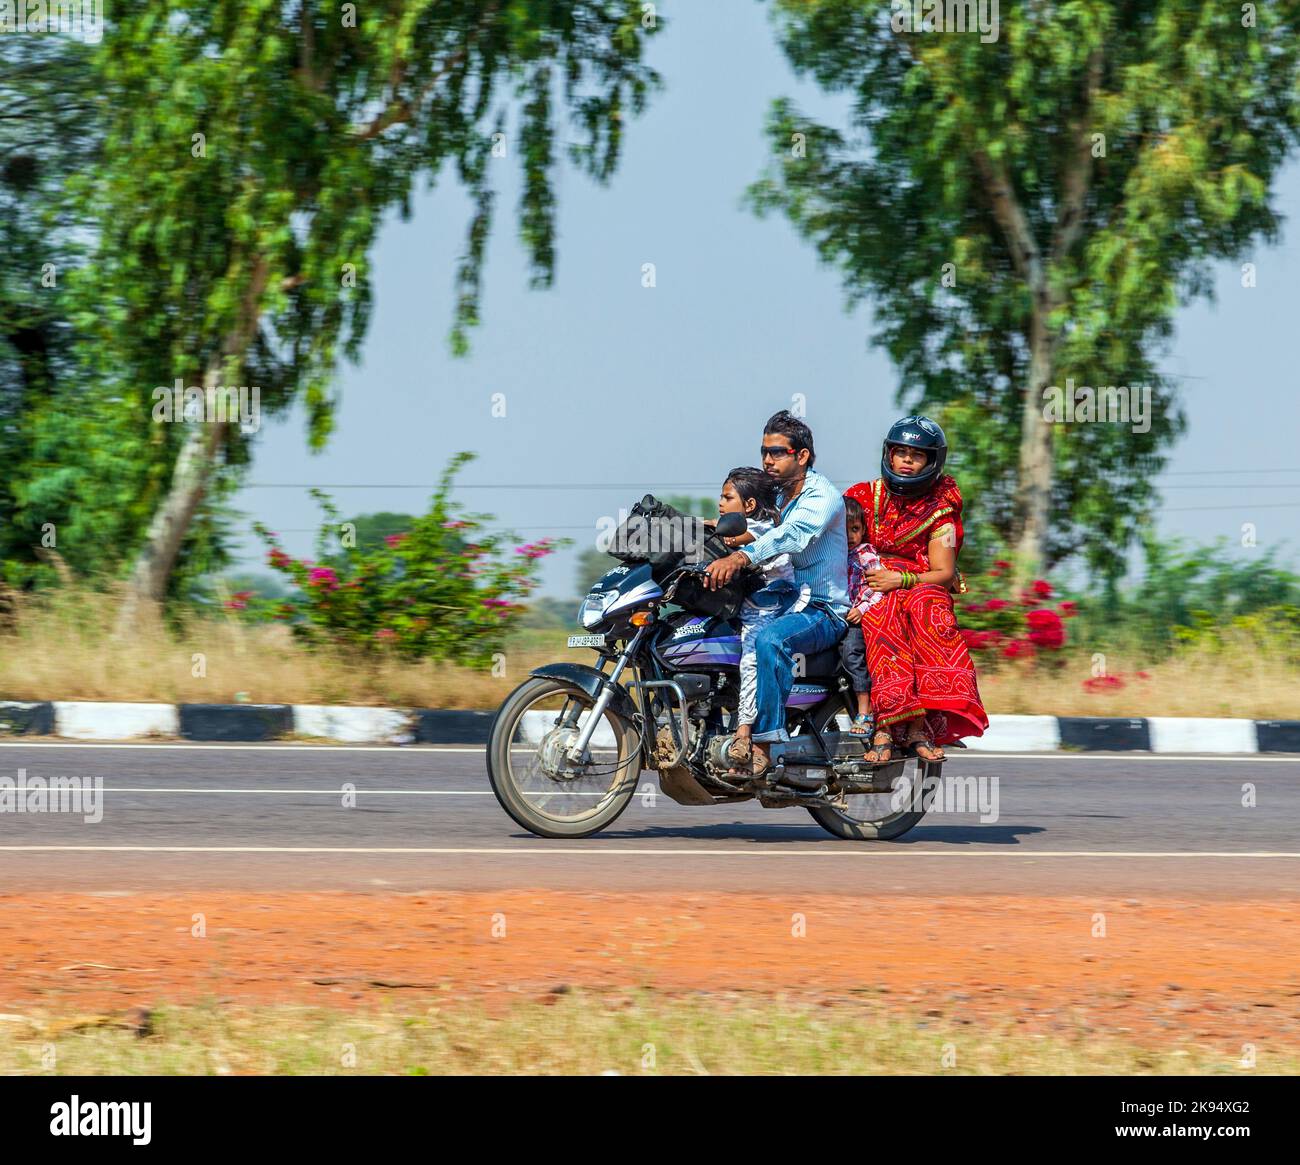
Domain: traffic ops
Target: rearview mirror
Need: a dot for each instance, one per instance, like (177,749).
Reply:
(729,525)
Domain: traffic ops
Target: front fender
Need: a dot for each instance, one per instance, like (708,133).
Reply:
(592,681)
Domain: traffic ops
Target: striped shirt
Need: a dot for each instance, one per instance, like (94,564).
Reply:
(812,533)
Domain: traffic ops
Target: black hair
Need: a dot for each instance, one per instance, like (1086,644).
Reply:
(754,483)
(788,425)
(853,510)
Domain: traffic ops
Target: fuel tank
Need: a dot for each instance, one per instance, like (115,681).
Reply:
(687,642)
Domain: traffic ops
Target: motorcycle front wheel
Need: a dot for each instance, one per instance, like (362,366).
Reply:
(531,775)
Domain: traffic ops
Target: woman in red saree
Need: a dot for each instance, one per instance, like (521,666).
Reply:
(923,687)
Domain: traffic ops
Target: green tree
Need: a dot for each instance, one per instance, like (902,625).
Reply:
(252,150)
(48,130)
(1034,209)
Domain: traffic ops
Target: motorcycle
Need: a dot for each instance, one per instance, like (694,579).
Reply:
(568,745)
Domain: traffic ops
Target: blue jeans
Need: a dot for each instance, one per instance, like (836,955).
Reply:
(777,642)
(760,608)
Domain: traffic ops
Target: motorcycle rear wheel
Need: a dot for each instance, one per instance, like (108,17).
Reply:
(875,816)
(522,754)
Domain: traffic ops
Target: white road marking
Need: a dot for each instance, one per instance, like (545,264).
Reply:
(619,852)
(426,750)
(397,750)
(333,792)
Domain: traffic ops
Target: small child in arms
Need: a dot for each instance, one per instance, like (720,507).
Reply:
(853,648)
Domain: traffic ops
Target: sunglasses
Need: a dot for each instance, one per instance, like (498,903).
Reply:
(775,451)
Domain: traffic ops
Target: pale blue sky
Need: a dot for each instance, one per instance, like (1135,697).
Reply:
(609,382)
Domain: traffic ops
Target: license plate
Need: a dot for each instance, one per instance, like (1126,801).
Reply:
(586,641)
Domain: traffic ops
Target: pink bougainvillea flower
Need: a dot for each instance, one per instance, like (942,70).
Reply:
(533,550)
(385,635)
(394,539)
(323,576)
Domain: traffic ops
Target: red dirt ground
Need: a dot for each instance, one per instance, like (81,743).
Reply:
(1222,972)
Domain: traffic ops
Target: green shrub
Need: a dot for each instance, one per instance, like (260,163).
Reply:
(445,589)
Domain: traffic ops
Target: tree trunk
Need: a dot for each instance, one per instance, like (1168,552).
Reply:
(190,476)
(1034,488)
(193,470)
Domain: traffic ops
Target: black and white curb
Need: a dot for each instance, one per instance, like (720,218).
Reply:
(87,720)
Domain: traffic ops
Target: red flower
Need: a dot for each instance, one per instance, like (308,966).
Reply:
(1046,629)
(394,539)
(1001,565)
(996,605)
(1042,589)
(1069,608)
(1018,649)
(1103,684)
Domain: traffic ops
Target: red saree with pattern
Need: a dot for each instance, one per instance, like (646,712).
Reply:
(918,662)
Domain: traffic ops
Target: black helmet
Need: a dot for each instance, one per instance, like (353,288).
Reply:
(916,432)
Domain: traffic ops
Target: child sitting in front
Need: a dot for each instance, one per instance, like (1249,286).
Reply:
(752,492)
(863,559)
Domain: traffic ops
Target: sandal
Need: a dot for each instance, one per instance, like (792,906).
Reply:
(918,741)
(863,722)
(881,751)
(740,752)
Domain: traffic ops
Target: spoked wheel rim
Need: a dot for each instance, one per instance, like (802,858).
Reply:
(533,774)
(876,815)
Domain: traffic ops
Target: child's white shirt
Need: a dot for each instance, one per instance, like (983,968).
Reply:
(776,567)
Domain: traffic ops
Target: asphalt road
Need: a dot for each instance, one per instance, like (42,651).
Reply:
(271,817)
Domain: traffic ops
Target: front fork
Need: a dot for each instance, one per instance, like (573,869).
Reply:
(576,754)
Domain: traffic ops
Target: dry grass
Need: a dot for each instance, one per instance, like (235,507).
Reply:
(1237,681)
(61,648)
(589,1034)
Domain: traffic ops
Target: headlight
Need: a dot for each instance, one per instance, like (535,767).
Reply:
(595,605)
